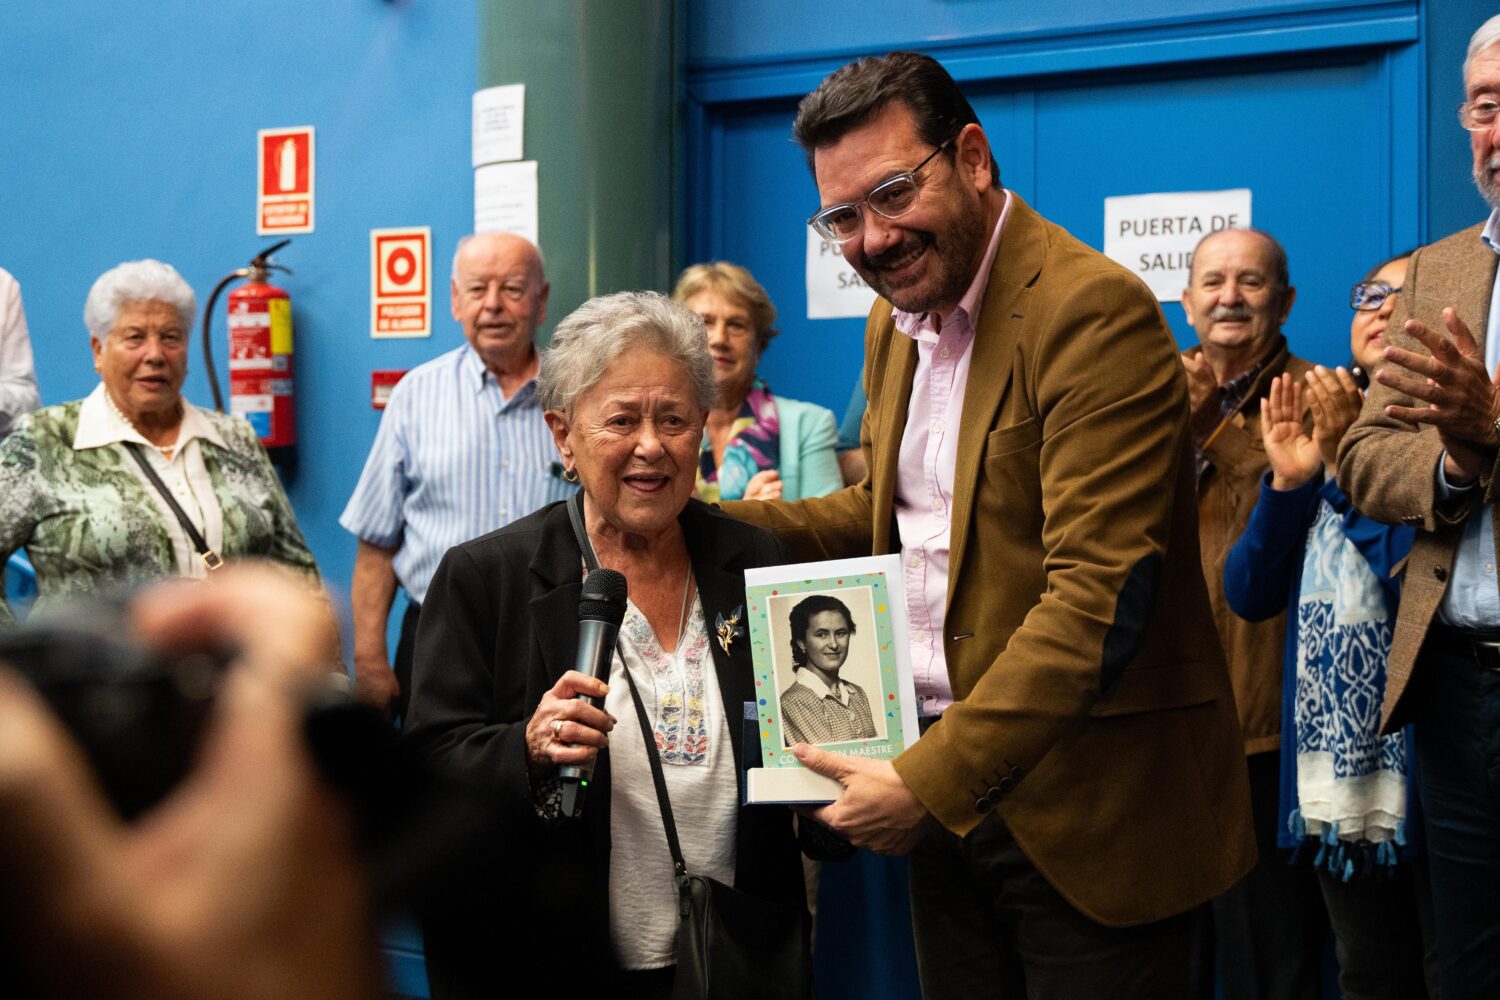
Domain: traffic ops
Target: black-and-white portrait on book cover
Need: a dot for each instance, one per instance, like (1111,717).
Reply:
(827,666)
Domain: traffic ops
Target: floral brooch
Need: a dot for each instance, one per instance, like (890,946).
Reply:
(729,629)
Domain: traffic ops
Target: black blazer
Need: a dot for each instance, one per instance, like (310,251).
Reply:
(497,629)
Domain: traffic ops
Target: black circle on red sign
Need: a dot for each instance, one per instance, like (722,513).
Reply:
(401,265)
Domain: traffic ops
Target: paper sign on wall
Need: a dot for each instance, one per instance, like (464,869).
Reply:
(834,289)
(1154,234)
(401,282)
(499,119)
(505,199)
(284,181)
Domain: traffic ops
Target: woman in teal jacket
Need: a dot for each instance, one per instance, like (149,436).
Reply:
(756,445)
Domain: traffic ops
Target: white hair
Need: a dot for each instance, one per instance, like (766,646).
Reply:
(1487,35)
(466,240)
(136,281)
(596,333)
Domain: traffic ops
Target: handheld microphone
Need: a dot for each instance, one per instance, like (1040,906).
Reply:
(601,608)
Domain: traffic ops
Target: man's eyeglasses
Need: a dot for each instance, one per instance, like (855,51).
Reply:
(1476,116)
(892,198)
(1367,296)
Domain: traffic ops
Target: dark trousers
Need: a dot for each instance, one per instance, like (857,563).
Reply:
(406,651)
(1269,930)
(1456,707)
(988,925)
(1382,928)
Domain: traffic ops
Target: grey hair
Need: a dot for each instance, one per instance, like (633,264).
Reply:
(596,333)
(1487,35)
(136,281)
(464,241)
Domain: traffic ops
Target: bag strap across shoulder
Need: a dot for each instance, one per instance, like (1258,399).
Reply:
(591,562)
(210,558)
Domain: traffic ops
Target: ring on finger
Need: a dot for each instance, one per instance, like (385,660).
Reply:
(557,728)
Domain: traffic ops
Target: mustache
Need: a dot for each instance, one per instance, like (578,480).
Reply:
(902,249)
(1231,314)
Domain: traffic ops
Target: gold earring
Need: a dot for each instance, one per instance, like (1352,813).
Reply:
(570,475)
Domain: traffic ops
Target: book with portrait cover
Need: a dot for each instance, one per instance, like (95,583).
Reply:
(832,668)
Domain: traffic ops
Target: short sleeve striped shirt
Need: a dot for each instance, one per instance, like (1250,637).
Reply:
(453,460)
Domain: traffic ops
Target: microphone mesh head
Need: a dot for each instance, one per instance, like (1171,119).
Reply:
(603,597)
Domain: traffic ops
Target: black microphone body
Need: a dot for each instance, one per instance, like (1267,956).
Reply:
(601,608)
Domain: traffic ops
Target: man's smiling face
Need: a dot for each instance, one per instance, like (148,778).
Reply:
(925,260)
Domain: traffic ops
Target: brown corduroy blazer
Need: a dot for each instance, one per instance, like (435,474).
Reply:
(1389,468)
(1093,708)
(1228,489)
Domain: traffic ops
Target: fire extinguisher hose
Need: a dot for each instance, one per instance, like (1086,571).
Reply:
(208,344)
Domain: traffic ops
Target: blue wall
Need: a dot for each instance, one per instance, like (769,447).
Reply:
(134,136)
(1452,200)
(1337,114)
(131,134)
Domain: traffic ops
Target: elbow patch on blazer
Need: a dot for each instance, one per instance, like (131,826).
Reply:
(1133,609)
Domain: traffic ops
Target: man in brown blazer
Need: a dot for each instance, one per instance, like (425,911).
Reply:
(1424,453)
(1080,784)
(1269,929)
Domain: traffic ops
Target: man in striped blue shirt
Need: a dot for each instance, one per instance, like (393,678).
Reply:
(462,450)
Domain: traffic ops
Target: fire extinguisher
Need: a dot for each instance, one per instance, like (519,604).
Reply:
(260,351)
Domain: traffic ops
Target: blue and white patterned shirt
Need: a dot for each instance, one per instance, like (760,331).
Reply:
(453,460)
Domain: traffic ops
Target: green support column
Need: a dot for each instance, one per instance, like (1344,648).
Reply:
(601,121)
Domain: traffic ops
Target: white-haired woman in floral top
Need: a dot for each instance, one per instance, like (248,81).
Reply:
(82,483)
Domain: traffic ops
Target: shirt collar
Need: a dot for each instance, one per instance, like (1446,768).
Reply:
(1490,234)
(1234,390)
(920,326)
(101,424)
(813,681)
(474,371)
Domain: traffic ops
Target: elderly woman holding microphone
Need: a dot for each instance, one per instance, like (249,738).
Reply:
(625,385)
(133,482)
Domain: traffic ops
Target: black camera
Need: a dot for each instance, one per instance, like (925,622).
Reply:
(140,717)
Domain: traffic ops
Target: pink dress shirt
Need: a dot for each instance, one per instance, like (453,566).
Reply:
(924,473)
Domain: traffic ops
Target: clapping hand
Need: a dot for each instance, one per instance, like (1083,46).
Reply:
(1335,402)
(1203,395)
(1463,400)
(1294,456)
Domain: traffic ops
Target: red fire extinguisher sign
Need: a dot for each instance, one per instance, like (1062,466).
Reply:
(284,180)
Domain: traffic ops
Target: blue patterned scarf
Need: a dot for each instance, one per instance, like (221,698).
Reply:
(1351,781)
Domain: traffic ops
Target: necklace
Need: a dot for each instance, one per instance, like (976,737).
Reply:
(682,612)
(164,450)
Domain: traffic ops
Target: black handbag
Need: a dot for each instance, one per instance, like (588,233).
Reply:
(730,945)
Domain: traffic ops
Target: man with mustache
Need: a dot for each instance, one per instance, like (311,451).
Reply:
(1269,929)
(1029,458)
(462,450)
(1424,452)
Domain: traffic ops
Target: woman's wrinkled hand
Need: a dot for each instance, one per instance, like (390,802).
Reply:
(565,729)
(764,485)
